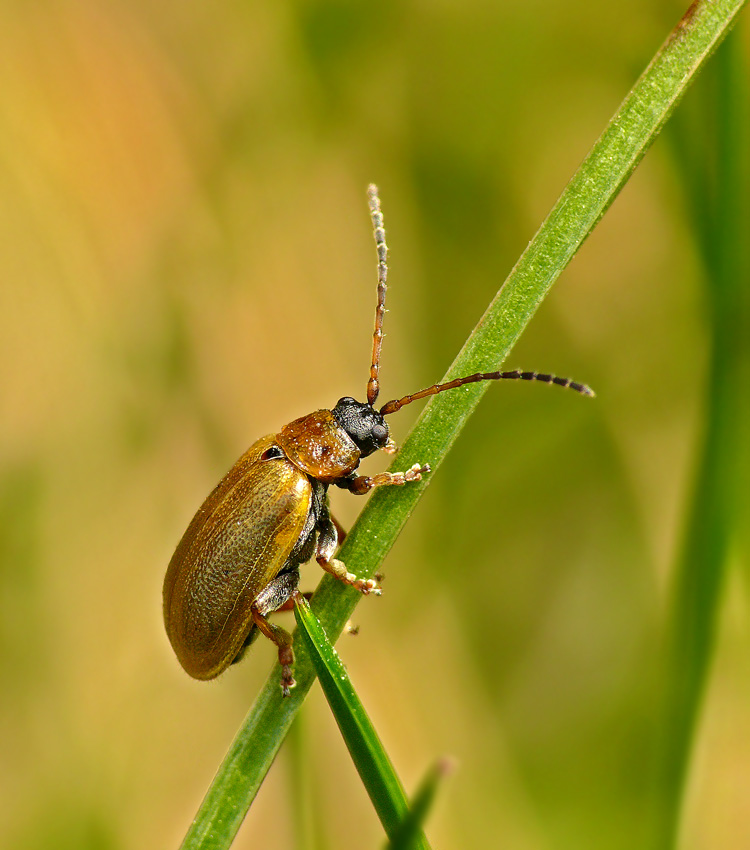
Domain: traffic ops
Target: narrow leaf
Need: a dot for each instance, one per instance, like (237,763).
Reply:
(409,830)
(722,222)
(370,758)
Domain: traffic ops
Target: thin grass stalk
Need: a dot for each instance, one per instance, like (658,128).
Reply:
(373,763)
(710,523)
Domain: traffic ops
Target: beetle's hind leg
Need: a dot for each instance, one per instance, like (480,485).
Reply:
(328,541)
(276,593)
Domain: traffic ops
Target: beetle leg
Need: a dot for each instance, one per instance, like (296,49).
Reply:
(283,640)
(270,599)
(338,569)
(361,484)
(326,546)
(340,530)
(289,604)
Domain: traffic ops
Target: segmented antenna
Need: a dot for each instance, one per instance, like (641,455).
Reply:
(514,375)
(373,385)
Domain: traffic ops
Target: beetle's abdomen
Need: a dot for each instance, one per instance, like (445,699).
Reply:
(237,542)
(319,446)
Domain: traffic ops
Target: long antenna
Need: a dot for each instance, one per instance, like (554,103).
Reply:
(515,375)
(373,385)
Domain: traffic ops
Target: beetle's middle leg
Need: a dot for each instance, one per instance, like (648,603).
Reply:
(328,541)
(340,530)
(271,598)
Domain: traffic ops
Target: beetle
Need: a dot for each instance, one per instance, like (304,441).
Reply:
(239,559)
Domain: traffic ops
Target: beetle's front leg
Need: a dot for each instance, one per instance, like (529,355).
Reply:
(361,484)
(273,596)
(328,541)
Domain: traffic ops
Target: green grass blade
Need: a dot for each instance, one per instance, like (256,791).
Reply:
(371,760)
(583,202)
(711,520)
(409,830)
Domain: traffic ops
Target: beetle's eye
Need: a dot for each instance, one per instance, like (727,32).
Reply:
(347,399)
(272,453)
(380,433)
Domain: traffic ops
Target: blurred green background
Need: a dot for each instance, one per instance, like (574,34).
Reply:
(186,264)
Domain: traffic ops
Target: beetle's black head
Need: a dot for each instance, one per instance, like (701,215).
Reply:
(362,423)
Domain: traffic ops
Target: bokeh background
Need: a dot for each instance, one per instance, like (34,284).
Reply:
(186,264)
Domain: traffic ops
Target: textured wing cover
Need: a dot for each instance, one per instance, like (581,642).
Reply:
(237,542)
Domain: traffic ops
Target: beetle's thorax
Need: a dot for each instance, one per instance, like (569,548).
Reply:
(319,446)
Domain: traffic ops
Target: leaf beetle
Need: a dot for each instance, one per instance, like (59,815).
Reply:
(239,559)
